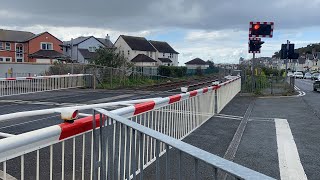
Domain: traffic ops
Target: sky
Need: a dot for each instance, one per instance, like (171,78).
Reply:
(214,30)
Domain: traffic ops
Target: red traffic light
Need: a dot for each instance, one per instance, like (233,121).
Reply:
(256,26)
(261,29)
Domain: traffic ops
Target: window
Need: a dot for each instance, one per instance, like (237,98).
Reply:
(163,55)
(8,48)
(92,49)
(128,52)
(46,46)
(1,45)
(5,59)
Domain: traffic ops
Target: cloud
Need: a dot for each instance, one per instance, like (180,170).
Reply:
(126,15)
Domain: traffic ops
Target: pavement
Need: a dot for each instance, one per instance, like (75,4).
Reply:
(277,136)
(280,139)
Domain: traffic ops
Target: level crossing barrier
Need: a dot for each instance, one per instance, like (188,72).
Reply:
(25,85)
(121,143)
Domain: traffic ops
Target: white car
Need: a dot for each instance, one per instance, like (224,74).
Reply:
(290,74)
(298,75)
(307,75)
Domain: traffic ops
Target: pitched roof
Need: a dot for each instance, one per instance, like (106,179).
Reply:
(196,61)
(15,36)
(48,54)
(163,47)
(142,58)
(167,60)
(106,42)
(138,43)
(87,54)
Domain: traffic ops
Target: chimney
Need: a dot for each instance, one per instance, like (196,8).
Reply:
(108,37)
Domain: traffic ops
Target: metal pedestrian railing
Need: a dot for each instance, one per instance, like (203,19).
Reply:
(126,142)
(123,154)
(25,85)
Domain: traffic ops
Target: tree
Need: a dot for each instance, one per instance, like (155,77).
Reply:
(211,64)
(111,58)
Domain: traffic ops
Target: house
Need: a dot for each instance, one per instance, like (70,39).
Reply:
(197,63)
(22,46)
(133,48)
(165,53)
(143,60)
(82,49)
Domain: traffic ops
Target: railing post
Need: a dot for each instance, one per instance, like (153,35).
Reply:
(95,147)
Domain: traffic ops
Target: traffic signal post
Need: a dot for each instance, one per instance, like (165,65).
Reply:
(256,31)
(254,47)
(287,53)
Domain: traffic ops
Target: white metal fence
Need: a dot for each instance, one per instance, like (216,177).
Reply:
(25,85)
(130,139)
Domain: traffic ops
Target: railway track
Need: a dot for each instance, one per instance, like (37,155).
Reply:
(176,85)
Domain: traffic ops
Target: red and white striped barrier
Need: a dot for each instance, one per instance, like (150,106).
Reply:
(25,85)
(43,77)
(27,142)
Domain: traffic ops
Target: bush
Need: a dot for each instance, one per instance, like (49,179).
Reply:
(172,71)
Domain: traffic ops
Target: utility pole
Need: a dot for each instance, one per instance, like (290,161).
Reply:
(288,42)
(252,69)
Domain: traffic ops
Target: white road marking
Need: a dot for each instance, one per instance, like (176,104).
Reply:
(229,115)
(12,125)
(225,117)
(289,161)
(8,176)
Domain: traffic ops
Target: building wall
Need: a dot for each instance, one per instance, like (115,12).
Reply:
(8,53)
(22,69)
(12,52)
(91,42)
(174,59)
(145,64)
(193,66)
(35,44)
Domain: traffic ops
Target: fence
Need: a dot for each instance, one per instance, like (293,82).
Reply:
(25,85)
(266,85)
(121,143)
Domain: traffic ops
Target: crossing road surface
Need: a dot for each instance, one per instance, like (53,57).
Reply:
(62,98)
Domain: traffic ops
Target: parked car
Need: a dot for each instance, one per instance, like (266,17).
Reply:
(307,75)
(316,85)
(314,76)
(290,74)
(298,75)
